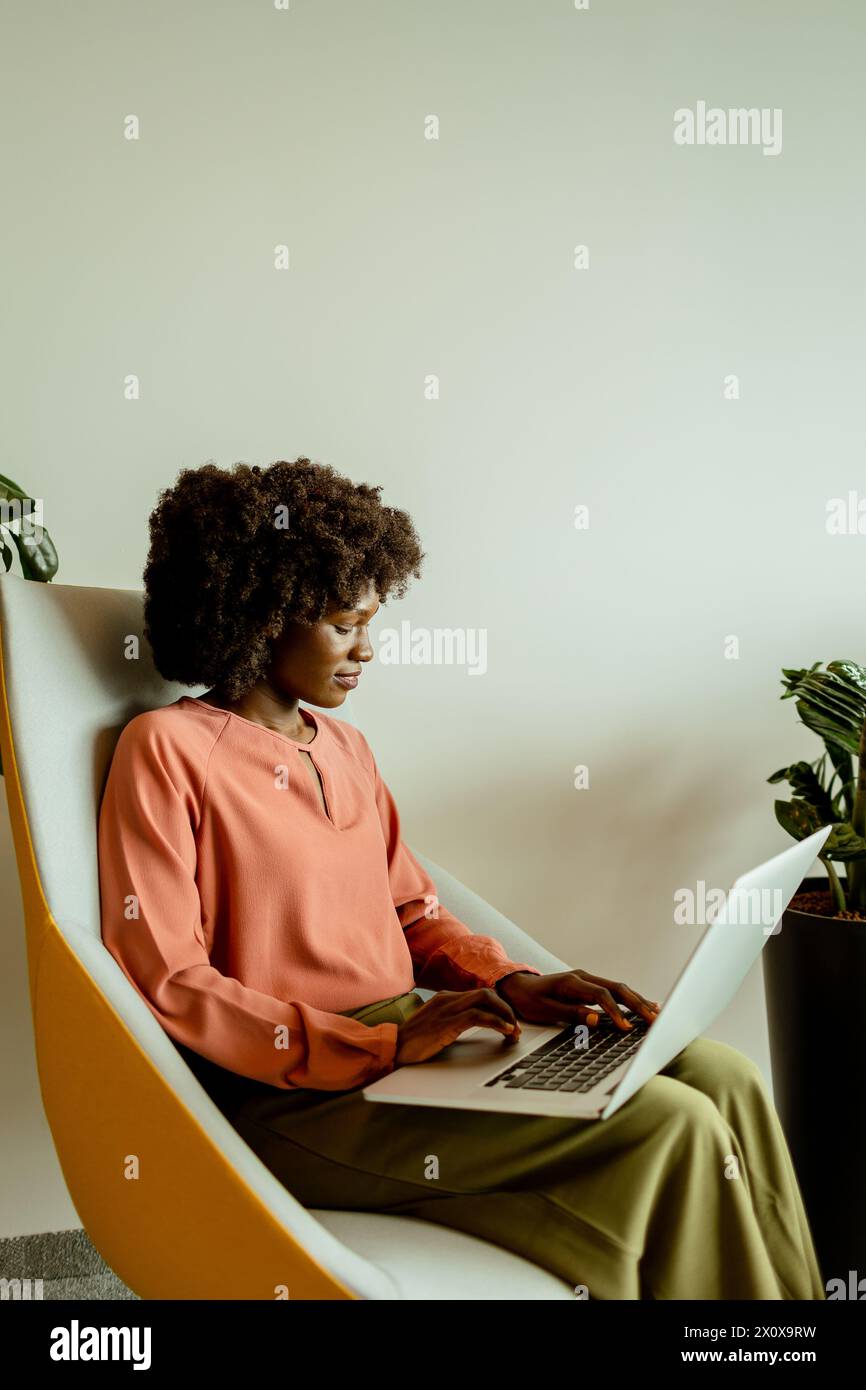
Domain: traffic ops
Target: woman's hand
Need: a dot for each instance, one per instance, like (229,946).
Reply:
(573,996)
(449,1013)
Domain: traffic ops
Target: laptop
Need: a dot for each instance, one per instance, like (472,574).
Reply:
(590,1072)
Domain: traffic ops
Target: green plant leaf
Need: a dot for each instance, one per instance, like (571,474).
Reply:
(844,769)
(850,671)
(832,695)
(39,560)
(798,818)
(807,787)
(830,706)
(843,844)
(841,760)
(814,683)
(791,679)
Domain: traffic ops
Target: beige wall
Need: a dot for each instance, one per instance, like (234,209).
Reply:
(454,257)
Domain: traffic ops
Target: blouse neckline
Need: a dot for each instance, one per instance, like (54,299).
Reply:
(307,716)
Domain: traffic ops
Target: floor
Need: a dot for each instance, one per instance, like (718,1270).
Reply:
(57,1265)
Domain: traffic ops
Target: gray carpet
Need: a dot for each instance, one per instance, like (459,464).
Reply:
(66,1263)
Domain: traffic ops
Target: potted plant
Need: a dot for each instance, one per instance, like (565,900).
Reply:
(814,968)
(36,551)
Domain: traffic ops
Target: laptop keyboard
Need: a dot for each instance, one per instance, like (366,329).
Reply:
(557,1065)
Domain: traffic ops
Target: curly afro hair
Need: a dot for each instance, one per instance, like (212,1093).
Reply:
(236,553)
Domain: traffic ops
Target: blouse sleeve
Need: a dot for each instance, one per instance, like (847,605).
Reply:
(446,954)
(151,924)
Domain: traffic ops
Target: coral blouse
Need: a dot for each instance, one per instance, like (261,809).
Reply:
(249,908)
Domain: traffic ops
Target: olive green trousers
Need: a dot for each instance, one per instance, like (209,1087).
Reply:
(686,1192)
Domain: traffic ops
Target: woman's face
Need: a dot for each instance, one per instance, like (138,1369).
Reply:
(308,658)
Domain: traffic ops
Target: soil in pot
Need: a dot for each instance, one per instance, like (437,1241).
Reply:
(822,905)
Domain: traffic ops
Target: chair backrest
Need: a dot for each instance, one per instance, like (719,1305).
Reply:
(78,668)
(82,668)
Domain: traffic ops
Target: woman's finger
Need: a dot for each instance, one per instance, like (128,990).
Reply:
(605,998)
(607,991)
(645,1007)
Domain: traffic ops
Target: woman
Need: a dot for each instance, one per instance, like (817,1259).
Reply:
(256,891)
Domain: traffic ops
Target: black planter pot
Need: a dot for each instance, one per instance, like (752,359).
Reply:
(814,973)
